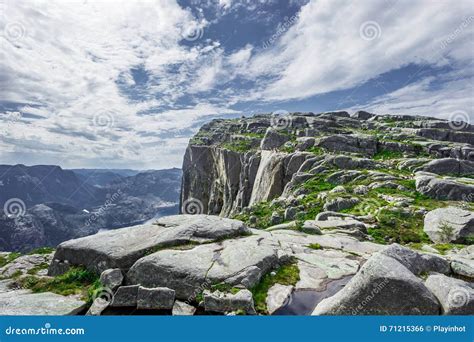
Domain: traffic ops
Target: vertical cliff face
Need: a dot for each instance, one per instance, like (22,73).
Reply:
(233,164)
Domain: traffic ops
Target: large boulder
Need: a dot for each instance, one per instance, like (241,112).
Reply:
(236,262)
(363,144)
(383,286)
(456,296)
(463,267)
(112,278)
(450,166)
(340,203)
(273,139)
(417,263)
(120,248)
(449,224)
(433,186)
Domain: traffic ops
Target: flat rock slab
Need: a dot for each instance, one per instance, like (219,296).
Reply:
(18,303)
(120,248)
(188,272)
(278,296)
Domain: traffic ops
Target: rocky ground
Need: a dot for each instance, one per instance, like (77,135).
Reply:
(326,214)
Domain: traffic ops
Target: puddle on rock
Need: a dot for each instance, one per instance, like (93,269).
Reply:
(303,302)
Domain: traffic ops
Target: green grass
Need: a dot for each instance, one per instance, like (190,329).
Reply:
(238,146)
(400,227)
(285,275)
(77,280)
(9,258)
(387,154)
(42,250)
(315,246)
(36,269)
(223,287)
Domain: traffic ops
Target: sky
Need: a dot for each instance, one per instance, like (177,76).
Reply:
(125,84)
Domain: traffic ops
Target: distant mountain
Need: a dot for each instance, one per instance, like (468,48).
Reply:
(44,183)
(61,205)
(101,177)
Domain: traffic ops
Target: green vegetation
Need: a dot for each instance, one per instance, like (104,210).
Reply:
(387,154)
(9,258)
(316,150)
(223,287)
(285,275)
(315,246)
(77,280)
(42,250)
(446,231)
(36,269)
(238,145)
(398,226)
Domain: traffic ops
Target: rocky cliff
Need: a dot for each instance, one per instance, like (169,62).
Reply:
(231,165)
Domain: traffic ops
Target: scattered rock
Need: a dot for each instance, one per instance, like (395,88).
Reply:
(97,307)
(125,296)
(273,139)
(431,185)
(340,203)
(277,297)
(226,302)
(158,298)
(111,278)
(183,309)
(463,267)
(449,224)
(290,213)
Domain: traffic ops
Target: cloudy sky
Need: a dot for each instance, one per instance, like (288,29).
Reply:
(124,84)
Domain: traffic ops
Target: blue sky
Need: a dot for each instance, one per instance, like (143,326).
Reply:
(124,84)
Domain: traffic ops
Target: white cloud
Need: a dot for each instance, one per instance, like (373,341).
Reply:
(69,65)
(324,50)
